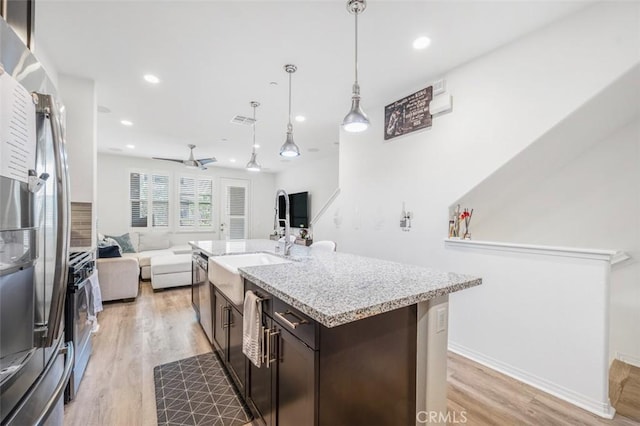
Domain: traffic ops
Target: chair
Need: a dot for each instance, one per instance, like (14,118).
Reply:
(324,245)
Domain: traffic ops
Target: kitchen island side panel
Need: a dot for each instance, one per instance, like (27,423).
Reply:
(368,370)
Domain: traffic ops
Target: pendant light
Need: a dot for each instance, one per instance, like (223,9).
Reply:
(356,120)
(253,165)
(289,148)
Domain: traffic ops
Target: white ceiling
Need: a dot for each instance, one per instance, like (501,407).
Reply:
(213,58)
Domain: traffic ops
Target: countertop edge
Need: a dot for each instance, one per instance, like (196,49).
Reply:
(335,320)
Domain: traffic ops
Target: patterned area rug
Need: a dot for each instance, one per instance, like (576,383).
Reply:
(196,391)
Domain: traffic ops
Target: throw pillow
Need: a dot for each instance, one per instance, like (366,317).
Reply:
(124,241)
(154,241)
(108,251)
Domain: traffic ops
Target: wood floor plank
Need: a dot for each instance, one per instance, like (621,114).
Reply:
(490,397)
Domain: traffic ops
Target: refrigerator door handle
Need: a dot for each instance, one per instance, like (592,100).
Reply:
(68,351)
(46,105)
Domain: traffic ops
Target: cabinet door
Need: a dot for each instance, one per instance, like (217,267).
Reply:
(236,357)
(260,386)
(220,321)
(296,384)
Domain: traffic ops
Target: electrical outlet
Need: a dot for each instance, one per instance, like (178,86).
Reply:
(441,320)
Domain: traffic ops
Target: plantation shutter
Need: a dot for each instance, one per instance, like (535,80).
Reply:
(237,208)
(160,200)
(205,203)
(187,202)
(138,193)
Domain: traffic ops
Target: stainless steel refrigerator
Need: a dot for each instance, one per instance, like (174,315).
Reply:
(35,362)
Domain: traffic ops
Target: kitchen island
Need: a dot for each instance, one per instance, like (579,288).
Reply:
(349,339)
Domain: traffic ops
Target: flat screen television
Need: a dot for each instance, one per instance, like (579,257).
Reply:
(298,209)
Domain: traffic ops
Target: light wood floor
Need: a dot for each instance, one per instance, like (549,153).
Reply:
(117,389)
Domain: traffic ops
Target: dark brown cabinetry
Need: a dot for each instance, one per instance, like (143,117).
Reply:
(296,380)
(227,337)
(359,373)
(362,372)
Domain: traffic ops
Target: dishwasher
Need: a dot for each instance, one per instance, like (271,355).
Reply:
(202,293)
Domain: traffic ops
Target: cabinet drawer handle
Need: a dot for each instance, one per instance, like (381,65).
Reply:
(268,359)
(294,324)
(226,309)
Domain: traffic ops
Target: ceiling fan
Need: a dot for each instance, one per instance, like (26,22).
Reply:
(191,163)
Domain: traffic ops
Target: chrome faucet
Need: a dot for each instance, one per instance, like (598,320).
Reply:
(276,223)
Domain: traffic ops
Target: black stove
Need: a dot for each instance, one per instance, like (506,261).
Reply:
(78,309)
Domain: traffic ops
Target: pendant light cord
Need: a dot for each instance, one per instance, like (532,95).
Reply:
(356,56)
(253,147)
(290,101)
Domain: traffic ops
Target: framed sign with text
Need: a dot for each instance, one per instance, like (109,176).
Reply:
(408,114)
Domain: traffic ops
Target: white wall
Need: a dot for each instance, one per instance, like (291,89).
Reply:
(588,203)
(503,102)
(80,100)
(320,179)
(540,316)
(113,195)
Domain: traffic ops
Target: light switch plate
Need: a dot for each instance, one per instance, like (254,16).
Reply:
(439,87)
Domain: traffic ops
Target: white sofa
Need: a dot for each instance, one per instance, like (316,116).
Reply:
(172,261)
(118,278)
(144,257)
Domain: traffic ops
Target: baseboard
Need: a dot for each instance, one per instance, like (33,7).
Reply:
(628,359)
(599,408)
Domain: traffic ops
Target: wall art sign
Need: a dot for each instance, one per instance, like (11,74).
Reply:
(408,114)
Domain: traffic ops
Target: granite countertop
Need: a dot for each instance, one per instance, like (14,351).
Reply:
(336,288)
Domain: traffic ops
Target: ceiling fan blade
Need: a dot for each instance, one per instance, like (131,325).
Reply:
(207,160)
(168,159)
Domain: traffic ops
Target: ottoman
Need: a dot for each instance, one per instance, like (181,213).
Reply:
(170,271)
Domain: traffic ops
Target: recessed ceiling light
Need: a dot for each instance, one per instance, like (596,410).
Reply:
(421,43)
(256,146)
(300,118)
(126,123)
(150,78)
(130,146)
(233,160)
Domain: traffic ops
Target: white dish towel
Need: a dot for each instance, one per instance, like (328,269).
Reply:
(95,305)
(252,328)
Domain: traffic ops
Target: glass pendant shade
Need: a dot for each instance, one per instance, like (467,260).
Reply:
(253,165)
(289,148)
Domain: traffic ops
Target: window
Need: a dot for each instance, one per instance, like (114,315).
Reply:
(149,193)
(196,202)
